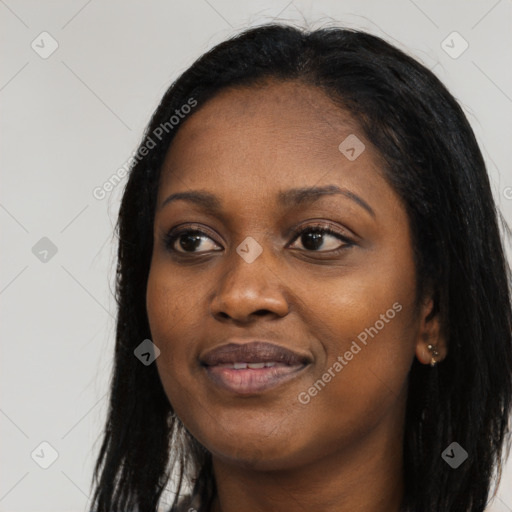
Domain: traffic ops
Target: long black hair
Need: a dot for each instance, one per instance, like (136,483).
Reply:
(432,160)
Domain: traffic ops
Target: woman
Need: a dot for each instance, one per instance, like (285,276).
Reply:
(314,303)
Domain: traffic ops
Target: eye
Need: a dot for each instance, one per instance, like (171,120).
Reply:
(312,237)
(188,240)
(322,236)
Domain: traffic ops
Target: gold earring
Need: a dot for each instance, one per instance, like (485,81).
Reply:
(435,353)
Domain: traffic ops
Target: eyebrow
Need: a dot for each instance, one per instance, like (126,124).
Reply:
(287,198)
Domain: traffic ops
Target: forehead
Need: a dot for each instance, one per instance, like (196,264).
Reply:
(259,139)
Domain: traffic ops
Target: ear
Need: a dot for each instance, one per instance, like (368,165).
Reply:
(430,332)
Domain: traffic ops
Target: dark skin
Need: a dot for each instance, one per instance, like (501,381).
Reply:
(341,451)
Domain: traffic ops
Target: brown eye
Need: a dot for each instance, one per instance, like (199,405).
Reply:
(188,240)
(314,238)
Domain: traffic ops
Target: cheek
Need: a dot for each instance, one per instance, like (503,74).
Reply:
(372,356)
(371,307)
(170,309)
(170,302)
(364,378)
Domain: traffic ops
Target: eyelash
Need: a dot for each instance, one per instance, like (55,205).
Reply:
(170,237)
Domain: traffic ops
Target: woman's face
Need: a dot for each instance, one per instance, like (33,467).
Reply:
(341,303)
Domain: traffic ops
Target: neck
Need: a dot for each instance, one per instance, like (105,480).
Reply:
(365,477)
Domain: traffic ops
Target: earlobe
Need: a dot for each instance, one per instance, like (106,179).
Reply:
(429,353)
(431,345)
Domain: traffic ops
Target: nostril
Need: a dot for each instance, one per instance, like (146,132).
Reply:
(262,312)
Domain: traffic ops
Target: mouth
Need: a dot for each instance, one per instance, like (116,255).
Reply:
(252,367)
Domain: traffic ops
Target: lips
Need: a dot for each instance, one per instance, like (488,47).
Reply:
(252,367)
(253,352)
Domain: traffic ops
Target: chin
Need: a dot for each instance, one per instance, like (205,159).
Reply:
(256,459)
(259,451)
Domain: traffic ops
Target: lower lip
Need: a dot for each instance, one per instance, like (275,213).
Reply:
(247,381)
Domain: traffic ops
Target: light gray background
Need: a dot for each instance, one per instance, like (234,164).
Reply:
(71,120)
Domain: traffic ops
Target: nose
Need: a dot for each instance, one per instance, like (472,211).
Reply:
(247,290)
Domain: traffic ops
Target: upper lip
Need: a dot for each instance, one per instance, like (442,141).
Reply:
(253,352)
